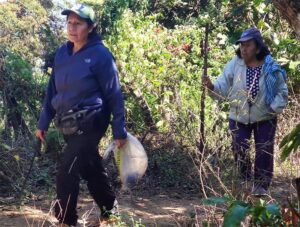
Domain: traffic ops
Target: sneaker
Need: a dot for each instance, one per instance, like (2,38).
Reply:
(258,191)
(65,225)
(100,222)
(106,214)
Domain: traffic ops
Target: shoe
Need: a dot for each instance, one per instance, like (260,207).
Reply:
(258,191)
(65,225)
(101,222)
(107,214)
(106,217)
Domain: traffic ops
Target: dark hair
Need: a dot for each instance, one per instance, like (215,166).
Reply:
(94,31)
(264,50)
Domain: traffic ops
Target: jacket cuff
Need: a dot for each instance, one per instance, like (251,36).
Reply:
(42,126)
(121,134)
(275,109)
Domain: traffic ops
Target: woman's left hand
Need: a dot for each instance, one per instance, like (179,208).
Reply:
(120,143)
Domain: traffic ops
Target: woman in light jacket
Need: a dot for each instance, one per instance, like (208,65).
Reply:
(255,86)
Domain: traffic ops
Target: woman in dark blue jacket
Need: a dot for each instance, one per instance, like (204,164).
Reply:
(82,93)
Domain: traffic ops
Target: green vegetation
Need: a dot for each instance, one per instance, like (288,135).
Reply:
(290,143)
(157,45)
(261,213)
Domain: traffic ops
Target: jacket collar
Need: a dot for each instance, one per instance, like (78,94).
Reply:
(240,61)
(92,41)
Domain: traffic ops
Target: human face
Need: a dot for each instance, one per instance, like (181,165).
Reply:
(78,30)
(249,50)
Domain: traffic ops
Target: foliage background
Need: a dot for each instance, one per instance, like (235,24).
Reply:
(157,45)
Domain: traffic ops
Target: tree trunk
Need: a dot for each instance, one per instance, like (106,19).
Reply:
(14,117)
(149,121)
(290,10)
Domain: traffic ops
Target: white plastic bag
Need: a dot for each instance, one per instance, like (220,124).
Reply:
(131,160)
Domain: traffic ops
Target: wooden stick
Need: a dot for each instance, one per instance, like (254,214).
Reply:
(297,183)
(37,152)
(202,103)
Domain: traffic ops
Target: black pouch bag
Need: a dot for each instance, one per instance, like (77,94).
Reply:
(70,122)
(67,123)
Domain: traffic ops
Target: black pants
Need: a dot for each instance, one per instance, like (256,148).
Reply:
(264,134)
(81,159)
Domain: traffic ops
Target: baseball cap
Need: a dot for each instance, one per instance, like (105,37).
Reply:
(81,10)
(250,33)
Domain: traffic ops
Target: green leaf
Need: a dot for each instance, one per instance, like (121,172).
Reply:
(290,142)
(257,212)
(235,215)
(160,123)
(273,209)
(286,151)
(284,141)
(257,2)
(223,115)
(215,200)
(225,1)
(261,202)
(275,39)
(5,147)
(283,60)
(293,65)
(261,24)
(241,203)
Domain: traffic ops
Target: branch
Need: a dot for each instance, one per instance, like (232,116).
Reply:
(290,10)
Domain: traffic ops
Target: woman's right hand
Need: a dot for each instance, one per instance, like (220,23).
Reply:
(40,134)
(207,82)
(120,143)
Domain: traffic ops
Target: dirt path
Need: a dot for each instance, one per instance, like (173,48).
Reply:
(157,210)
(161,209)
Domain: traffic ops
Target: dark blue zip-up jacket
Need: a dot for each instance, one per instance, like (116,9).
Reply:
(86,80)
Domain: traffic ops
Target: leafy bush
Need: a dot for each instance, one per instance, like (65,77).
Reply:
(261,213)
(290,143)
(164,66)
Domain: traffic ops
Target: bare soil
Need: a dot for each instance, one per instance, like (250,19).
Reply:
(142,208)
(168,209)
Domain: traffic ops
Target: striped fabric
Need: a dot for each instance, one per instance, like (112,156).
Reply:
(271,68)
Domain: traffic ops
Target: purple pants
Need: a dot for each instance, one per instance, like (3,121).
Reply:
(264,134)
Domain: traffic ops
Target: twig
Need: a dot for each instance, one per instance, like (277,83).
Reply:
(37,152)
(293,209)
(202,103)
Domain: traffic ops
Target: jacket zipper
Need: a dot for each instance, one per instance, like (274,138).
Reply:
(249,104)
